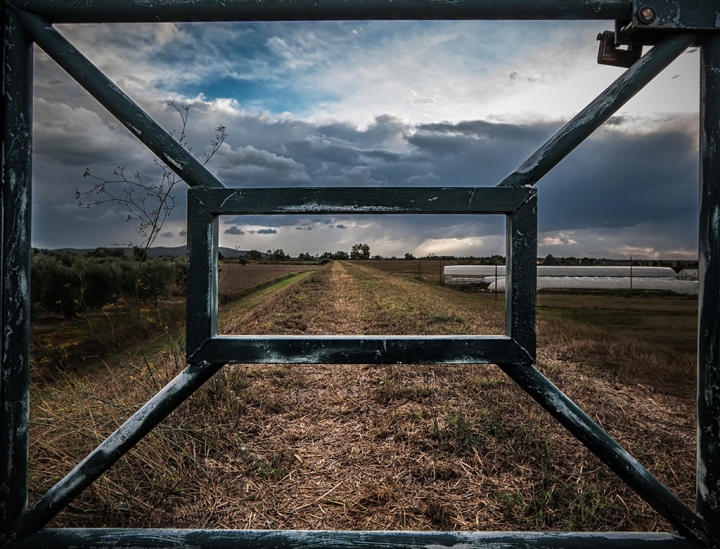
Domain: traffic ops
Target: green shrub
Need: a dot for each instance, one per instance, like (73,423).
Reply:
(66,283)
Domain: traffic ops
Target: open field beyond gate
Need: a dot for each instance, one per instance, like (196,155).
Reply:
(401,447)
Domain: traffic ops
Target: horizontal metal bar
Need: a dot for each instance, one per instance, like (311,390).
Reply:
(117,11)
(130,115)
(360,350)
(599,111)
(110,538)
(114,447)
(362,200)
(609,451)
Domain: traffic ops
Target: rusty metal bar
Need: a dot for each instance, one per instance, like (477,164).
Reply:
(111,538)
(596,113)
(708,441)
(15,348)
(609,451)
(130,115)
(114,447)
(118,11)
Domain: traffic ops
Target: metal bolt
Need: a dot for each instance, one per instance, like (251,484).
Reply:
(646,15)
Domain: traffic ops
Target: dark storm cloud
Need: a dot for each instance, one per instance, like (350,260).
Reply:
(484,130)
(167,234)
(619,178)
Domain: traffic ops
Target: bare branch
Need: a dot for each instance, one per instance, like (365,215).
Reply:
(146,202)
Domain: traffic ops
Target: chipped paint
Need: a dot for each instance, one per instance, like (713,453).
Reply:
(708,414)
(16,289)
(317,207)
(172,162)
(454,546)
(17,173)
(357,349)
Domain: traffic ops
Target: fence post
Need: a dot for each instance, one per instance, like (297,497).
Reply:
(15,348)
(708,441)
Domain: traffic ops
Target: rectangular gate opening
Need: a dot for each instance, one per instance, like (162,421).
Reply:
(353,275)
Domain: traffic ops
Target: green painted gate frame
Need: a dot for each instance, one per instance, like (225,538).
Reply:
(671,24)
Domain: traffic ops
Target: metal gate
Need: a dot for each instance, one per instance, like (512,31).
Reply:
(669,25)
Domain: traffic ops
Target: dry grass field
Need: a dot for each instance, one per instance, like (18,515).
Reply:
(425,269)
(412,447)
(233,276)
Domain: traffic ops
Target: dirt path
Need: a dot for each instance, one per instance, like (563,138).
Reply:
(402,447)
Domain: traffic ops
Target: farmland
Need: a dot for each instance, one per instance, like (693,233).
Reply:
(381,447)
(87,338)
(234,277)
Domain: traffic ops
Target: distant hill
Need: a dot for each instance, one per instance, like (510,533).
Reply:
(157,251)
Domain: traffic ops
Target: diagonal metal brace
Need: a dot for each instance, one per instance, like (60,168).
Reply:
(114,447)
(654,492)
(130,115)
(596,113)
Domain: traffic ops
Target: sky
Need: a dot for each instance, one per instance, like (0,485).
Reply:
(375,103)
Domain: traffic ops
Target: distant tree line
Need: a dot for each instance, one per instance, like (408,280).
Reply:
(67,283)
(676,264)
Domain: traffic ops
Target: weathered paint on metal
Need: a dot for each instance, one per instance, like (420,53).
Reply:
(598,111)
(204,205)
(15,347)
(708,393)
(117,11)
(697,15)
(303,539)
(609,451)
(521,273)
(202,275)
(140,124)
(114,447)
(362,200)
(360,350)
(529,173)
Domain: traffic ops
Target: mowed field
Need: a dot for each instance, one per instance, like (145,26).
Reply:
(233,276)
(425,269)
(401,447)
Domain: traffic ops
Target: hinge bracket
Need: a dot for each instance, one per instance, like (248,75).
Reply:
(610,54)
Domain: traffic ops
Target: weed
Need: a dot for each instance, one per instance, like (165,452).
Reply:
(455,433)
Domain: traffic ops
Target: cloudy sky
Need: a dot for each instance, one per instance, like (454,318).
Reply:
(376,103)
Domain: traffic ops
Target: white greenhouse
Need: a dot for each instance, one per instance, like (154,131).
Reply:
(475,274)
(687,287)
(689,274)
